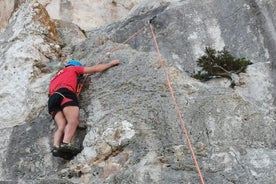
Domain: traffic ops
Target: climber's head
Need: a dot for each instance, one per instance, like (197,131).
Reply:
(73,63)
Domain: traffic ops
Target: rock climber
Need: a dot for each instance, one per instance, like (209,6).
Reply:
(63,103)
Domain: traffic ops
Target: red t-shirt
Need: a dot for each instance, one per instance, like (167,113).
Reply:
(66,78)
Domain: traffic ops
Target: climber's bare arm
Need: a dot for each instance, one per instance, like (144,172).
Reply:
(100,67)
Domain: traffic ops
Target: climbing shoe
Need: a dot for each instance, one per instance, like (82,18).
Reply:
(69,149)
(56,152)
(64,152)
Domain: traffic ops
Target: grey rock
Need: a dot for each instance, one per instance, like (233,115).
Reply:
(130,130)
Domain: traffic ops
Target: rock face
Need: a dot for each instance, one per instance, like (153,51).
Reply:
(6,9)
(130,130)
(27,45)
(90,14)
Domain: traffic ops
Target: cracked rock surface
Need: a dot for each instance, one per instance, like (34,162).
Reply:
(130,131)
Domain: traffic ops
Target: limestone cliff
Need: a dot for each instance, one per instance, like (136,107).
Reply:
(130,130)
(86,14)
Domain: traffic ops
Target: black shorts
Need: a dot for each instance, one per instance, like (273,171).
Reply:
(61,98)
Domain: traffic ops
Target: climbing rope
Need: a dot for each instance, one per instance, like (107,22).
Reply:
(81,84)
(122,43)
(182,122)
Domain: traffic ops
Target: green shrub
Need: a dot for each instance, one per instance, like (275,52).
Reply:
(219,64)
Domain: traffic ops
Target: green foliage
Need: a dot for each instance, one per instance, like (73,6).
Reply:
(62,45)
(219,64)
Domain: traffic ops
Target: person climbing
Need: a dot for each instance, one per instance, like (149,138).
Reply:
(63,103)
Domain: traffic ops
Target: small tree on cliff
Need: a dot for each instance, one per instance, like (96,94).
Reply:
(220,64)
